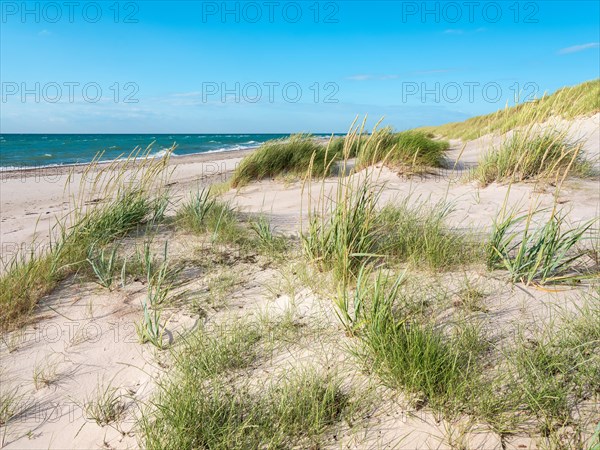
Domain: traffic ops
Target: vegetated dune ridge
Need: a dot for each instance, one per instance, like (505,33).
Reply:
(243,307)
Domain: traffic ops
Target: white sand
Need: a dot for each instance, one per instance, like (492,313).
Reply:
(86,337)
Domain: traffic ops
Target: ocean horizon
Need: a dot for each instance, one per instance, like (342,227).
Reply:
(26,151)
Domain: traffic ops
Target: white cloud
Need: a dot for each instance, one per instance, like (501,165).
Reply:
(578,48)
(361,77)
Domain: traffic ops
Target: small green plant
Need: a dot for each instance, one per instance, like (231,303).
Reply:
(105,406)
(161,279)
(44,374)
(268,241)
(149,329)
(222,348)
(194,211)
(12,403)
(103,265)
(352,310)
(342,233)
(159,208)
(206,214)
(546,254)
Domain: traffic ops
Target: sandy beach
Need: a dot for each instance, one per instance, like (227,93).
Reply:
(82,338)
(337,225)
(32,200)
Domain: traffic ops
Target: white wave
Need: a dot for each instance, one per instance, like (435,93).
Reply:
(161,153)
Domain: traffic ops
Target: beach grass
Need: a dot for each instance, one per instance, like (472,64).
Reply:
(223,348)
(407,352)
(342,232)
(105,405)
(412,149)
(545,375)
(203,213)
(351,227)
(302,155)
(292,156)
(416,231)
(543,254)
(567,103)
(132,193)
(200,405)
(531,154)
(213,414)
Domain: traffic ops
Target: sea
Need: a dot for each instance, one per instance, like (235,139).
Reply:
(25,151)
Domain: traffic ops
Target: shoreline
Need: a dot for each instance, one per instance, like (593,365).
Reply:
(8,172)
(201,157)
(77,168)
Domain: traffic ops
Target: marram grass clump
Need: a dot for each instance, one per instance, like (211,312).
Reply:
(201,405)
(406,353)
(213,414)
(349,228)
(411,148)
(293,156)
(132,193)
(526,156)
(302,155)
(543,254)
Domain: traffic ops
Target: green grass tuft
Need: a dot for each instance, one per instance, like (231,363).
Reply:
(204,214)
(133,193)
(407,353)
(343,234)
(203,405)
(294,156)
(413,149)
(216,415)
(418,234)
(525,156)
(547,254)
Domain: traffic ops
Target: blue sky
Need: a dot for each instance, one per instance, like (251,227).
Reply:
(163,67)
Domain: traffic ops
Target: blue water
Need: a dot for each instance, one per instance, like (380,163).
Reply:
(18,151)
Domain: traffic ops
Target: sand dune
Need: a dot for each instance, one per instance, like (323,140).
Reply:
(83,337)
